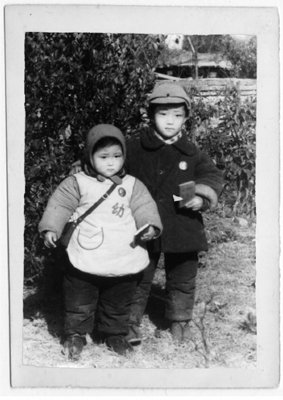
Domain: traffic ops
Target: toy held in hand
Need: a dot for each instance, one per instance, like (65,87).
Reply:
(146,232)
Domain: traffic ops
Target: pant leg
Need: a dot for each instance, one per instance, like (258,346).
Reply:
(181,272)
(141,294)
(114,305)
(80,301)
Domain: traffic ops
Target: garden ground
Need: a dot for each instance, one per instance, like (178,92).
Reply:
(224,323)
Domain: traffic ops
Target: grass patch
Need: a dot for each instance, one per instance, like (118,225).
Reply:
(223,326)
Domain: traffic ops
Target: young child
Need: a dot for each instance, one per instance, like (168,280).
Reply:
(163,157)
(104,267)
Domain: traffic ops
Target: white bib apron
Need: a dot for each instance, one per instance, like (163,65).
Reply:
(100,244)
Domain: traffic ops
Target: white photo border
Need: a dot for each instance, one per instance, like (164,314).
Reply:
(262,22)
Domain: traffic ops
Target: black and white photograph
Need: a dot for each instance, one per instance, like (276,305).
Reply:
(143,196)
(102,83)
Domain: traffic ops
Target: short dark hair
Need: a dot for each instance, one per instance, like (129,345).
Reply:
(106,142)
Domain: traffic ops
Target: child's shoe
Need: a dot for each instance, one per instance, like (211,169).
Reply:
(187,333)
(134,335)
(177,331)
(181,331)
(119,344)
(74,346)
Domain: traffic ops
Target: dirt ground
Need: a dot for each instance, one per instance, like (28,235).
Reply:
(224,323)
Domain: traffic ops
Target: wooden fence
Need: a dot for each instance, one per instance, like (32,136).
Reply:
(211,87)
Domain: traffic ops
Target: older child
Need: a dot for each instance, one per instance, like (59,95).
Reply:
(163,157)
(104,268)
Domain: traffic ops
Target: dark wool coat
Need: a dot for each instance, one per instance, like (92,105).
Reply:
(158,166)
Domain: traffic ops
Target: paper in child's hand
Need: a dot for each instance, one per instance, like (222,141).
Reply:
(177,198)
(187,192)
(139,234)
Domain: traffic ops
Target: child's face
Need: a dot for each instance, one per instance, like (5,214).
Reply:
(168,119)
(108,160)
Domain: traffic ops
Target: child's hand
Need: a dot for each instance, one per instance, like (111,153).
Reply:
(195,204)
(50,239)
(149,234)
(76,167)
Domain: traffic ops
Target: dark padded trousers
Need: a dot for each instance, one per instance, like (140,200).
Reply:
(86,294)
(181,272)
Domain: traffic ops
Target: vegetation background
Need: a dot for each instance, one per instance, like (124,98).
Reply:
(76,80)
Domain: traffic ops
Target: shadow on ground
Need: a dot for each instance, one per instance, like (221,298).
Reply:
(155,308)
(47,303)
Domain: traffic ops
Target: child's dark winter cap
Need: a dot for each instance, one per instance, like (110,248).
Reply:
(101,131)
(94,135)
(169,93)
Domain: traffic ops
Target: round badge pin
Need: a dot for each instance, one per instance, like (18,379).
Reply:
(122,192)
(183,165)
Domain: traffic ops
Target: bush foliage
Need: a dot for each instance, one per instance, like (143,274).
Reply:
(243,57)
(226,130)
(76,80)
(72,82)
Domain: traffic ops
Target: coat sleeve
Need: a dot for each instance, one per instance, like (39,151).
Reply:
(209,179)
(60,206)
(144,208)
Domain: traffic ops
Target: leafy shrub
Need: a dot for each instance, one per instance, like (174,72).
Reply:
(72,82)
(226,130)
(243,57)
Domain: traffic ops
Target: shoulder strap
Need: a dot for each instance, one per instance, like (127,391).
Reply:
(96,204)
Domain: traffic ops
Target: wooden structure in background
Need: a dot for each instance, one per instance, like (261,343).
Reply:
(211,87)
(191,64)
